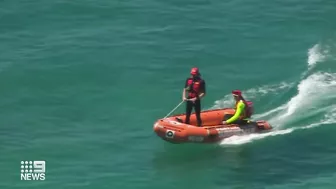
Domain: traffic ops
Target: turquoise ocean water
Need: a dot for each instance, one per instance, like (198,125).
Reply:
(82,83)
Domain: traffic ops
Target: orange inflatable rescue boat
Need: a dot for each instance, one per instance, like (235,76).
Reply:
(172,129)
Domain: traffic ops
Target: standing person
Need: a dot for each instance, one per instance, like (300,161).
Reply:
(195,87)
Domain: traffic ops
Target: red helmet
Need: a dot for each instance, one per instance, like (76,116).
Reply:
(236,93)
(194,71)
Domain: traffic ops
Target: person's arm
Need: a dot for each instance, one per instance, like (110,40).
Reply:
(238,112)
(184,90)
(203,89)
(183,94)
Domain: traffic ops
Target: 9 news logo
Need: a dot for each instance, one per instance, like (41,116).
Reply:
(33,170)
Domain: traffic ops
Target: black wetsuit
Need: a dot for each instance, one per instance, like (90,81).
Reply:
(196,104)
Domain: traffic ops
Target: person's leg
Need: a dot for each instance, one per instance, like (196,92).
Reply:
(227,117)
(188,111)
(198,112)
(241,122)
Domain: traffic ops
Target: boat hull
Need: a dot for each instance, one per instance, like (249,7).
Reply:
(172,129)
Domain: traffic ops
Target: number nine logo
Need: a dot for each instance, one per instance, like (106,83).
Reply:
(39,166)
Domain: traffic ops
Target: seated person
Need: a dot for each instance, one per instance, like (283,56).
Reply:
(244,110)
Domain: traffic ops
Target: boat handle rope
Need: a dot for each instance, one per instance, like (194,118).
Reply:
(173,109)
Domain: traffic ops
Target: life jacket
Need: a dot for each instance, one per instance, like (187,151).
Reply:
(194,87)
(248,110)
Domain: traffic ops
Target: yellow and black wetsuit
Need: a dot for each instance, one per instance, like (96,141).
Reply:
(239,117)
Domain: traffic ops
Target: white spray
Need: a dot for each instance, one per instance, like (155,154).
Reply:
(319,88)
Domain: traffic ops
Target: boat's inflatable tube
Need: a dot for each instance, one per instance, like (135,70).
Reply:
(172,129)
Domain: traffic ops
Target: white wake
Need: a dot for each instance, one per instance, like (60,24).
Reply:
(227,101)
(317,54)
(314,94)
(238,140)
